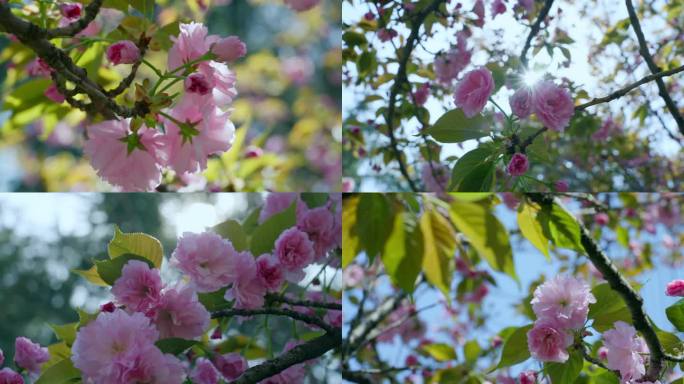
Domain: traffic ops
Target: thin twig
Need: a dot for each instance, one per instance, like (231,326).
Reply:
(304,303)
(313,320)
(534,30)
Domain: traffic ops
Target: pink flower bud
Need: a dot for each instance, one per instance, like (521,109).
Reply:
(123,52)
(71,10)
(528,377)
(518,165)
(229,49)
(30,355)
(603,353)
(53,94)
(253,152)
(561,186)
(411,360)
(217,334)
(108,307)
(675,288)
(601,218)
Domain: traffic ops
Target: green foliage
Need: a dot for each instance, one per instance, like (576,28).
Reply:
(233,231)
(531,228)
(264,236)
(565,373)
(515,348)
(474,171)
(60,373)
(675,313)
(110,270)
(174,345)
(376,212)
(214,301)
(439,351)
(455,127)
(66,332)
(440,243)
(139,244)
(403,251)
(560,227)
(350,241)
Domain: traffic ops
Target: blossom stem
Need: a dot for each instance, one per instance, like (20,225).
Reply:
(508,118)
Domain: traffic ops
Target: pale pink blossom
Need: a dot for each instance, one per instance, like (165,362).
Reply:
(353,275)
(207,259)
(521,102)
(601,218)
(518,165)
(295,251)
(675,288)
(54,94)
(229,49)
(436,177)
(348,184)
(448,65)
(221,81)
(301,5)
(319,224)
(298,69)
(421,94)
(179,313)
(248,289)
(204,372)
(144,365)
(270,272)
(192,42)
(208,131)
(110,337)
(123,52)
(477,295)
(552,105)
(473,91)
(547,341)
(8,376)
(603,353)
(39,67)
(134,165)
(29,355)
(563,300)
(139,286)
(386,34)
(625,351)
(231,365)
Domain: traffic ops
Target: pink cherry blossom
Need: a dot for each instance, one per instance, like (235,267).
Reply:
(221,80)
(436,177)
(386,34)
(231,365)
(498,8)
(473,91)
(108,307)
(510,200)
(518,165)
(353,275)
(204,372)
(608,128)
(548,342)
(207,259)
(54,94)
(675,288)
(247,290)
(8,376)
(197,83)
(421,94)
(295,251)
(603,353)
(270,272)
(333,318)
(601,218)
(479,11)
(190,147)
(107,339)
(139,286)
(192,42)
(527,4)
(144,365)
(39,67)
(134,165)
(563,300)
(71,10)
(178,313)
(29,355)
(348,184)
(527,377)
(449,65)
(552,105)
(561,186)
(229,49)
(123,52)
(521,102)
(319,224)
(624,351)
(301,5)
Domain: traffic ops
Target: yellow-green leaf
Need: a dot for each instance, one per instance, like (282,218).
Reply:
(91,275)
(439,243)
(350,242)
(403,253)
(532,229)
(139,244)
(440,351)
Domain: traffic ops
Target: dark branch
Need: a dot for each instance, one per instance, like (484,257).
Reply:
(534,30)
(125,83)
(531,139)
(643,49)
(304,303)
(313,320)
(299,354)
(78,26)
(623,91)
(358,336)
(355,377)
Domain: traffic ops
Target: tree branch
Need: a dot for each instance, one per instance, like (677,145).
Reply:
(623,91)
(78,26)
(643,49)
(304,303)
(358,336)
(401,79)
(313,320)
(534,30)
(299,354)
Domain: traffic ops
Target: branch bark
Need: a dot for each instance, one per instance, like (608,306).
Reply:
(643,50)
(359,334)
(313,320)
(304,303)
(78,26)
(535,30)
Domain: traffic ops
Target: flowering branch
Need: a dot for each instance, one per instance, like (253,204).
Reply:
(78,26)
(400,79)
(643,49)
(313,320)
(623,91)
(535,29)
(299,354)
(304,303)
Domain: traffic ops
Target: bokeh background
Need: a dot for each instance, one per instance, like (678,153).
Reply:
(287,112)
(44,236)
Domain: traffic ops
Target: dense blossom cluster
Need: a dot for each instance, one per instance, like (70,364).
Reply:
(28,356)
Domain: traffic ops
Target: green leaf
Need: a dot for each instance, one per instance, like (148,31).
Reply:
(110,270)
(146,7)
(314,200)
(565,373)
(175,345)
(60,373)
(471,350)
(403,252)
(91,275)
(469,164)
(455,127)
(607,300)
(439,351)
(243,344)
(670,342)
(515,348)
(139,244)
(560,227)
(66,332)
(532,229)
(214,301)
(486,233)
(264,236)
(675,313)
(374,228)
(479,179)
(58,352)
(350,241)
(84,317)
(605,321)
(439,242)
(232,230)
(353,38)
(162,38)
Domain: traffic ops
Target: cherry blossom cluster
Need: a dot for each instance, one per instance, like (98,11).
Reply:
(561,306)
(28,357)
